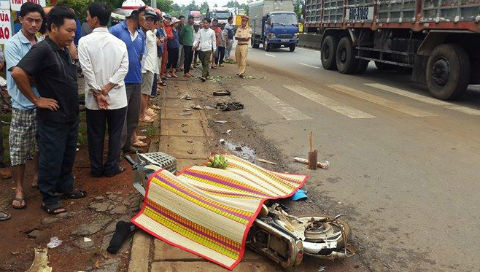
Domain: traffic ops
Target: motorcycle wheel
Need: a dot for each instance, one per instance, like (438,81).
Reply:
(317,233)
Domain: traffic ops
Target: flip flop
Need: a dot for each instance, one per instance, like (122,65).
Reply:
(140,144)
(76,194)
(22,202)
(53,209)
(4,216)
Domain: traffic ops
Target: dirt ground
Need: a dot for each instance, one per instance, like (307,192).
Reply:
(17,249)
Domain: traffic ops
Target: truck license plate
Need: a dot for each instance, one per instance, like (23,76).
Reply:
(285,40)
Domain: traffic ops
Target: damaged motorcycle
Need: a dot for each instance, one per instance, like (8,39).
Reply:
(281,237)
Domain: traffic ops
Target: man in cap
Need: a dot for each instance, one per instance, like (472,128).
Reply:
(150,65)
(243,36)
(134,39)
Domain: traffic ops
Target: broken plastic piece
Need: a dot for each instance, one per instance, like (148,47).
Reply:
(54,242)
(299,195)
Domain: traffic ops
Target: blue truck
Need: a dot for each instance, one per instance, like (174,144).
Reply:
(274,24)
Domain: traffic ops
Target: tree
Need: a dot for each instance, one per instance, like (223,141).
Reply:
(204,8)
(165,5)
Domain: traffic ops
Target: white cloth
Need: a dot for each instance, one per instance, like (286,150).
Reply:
(151,56)
(104,59)
(206,40)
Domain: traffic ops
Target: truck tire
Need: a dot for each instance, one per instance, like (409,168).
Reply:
(328,50)
(255,44)
(384,66)
(361,66)
(448,71)
(345,56)
(292,47)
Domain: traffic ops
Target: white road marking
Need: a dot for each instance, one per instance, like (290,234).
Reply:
(381,101)
(270,55)
(311,66)
(288,112)
(329,103)
(425,99)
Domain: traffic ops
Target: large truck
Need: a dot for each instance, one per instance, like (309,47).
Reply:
(274,24)
(437,40)
(221,14)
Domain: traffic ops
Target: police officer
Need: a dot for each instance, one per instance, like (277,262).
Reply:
(243,36)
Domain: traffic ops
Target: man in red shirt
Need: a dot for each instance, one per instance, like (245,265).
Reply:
(218,32)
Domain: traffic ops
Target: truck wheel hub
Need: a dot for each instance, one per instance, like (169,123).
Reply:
(343,55)
(441,71)
(326,51)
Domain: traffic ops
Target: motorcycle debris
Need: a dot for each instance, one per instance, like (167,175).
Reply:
(197,107)
(186,97)
(265,161)
(220,121)
(321,268)
(54,242)
(222,93)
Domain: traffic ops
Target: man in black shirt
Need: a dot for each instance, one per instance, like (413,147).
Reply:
(49,65)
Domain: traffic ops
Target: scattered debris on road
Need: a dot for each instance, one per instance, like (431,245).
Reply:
(323,165)
(186,97)
(230,106)
(40,262)
(222,93)
(197,107)
(299,195)
(312,155)
(220,121)
(54,242)
(265,161)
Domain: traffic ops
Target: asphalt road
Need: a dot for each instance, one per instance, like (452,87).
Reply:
(404,166)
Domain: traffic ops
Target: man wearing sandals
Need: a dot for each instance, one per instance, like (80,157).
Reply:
(23,127)
(104,61)
(49,65)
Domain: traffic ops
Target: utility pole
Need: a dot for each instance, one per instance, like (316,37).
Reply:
(153,3)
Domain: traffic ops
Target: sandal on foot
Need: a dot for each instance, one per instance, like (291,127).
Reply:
(76,194)
(139,137)
(22,202)
(140,144)
(4,216)
(53,209)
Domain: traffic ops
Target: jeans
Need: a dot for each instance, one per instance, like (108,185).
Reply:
(228,49)
(172,58)
(205,59)
(188,58)
(181,56)
(133,113)
(57,143)
(220,55)
(97,121)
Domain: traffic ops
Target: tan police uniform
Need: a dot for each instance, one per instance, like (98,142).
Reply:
(242,48)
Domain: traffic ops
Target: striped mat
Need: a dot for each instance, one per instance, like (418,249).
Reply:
(209,211)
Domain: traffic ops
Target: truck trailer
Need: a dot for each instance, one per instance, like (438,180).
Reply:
(274,24)
(438,40)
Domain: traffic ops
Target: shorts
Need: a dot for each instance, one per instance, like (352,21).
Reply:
(23,136)
(147,83)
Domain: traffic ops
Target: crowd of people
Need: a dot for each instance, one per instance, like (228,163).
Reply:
(124,66)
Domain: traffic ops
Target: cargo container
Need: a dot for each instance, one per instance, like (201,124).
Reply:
(437,40)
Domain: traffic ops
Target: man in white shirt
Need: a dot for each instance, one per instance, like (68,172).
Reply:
(104,61)
(205,43)
(150,65)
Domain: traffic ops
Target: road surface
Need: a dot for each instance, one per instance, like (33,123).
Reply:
(404,166)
